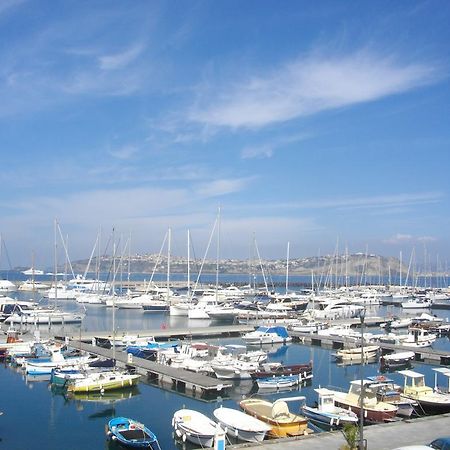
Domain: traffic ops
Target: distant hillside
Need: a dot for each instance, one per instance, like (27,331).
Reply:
(353,265)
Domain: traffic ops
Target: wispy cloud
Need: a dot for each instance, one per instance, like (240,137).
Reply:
(267,149)
(6,5)
(402,238)
(307,86)
(377,201)
(120,60)
(125,152)
(217,188)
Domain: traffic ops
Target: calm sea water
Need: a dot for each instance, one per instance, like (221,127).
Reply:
(36,417)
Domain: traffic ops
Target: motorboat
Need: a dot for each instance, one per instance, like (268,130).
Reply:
(237,369)
(357,354)
(267,335)
(396,360)
(283,422)
(430,402)
(388,392)
(327,412)
(278,382)
(419,337)
(307,326)
(7,286)
(57,360)
(397,323)
(416,303)
(132,434)
(240,425)
(374,410)
(195,427)
(24,314)
(104,381)
(60,293)
(31,285)
(267,370)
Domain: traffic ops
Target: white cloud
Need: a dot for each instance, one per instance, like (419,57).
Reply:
(401,238)
(120,60)
(306,86)
(368,202)
(425,239)
(217,188)
(6,5)
(262,151)
(125,152)
(268,149)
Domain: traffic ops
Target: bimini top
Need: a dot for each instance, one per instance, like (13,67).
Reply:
(444,370)
(411,373)
(280,331)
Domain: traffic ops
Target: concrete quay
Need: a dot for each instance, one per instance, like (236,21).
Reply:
(386,436)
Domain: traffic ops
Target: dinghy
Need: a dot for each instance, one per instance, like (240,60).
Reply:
(282,421)
(194,427)
(131,433)
(241,425)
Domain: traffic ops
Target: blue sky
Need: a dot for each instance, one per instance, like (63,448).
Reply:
(307,122)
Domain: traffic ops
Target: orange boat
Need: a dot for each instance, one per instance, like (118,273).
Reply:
(283,422)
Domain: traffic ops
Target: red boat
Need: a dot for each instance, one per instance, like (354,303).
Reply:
(375,411)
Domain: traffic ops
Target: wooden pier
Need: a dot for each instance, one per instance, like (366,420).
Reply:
(195,384)
(423,354)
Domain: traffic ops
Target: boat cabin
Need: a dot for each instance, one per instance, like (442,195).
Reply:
(325,400)
(370,397)
(414,383)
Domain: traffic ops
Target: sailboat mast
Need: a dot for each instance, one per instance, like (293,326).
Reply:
(56,262)
(168,264)
(218,254)
(189,264)
(287,267)
(114,301)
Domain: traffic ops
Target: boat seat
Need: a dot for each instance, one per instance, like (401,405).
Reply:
(280,410)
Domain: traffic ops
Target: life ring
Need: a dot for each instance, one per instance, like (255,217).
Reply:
(381,378)
(132,426)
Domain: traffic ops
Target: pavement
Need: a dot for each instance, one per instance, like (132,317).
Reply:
(385,436)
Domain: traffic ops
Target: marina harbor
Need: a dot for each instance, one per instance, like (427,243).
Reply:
(235,367)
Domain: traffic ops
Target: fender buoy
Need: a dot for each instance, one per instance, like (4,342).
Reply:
(183,438)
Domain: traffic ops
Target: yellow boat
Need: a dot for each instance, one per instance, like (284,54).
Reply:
(103,381)
(283,421)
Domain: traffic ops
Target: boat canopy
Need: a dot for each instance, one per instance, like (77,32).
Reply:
(280,331)
(411,374)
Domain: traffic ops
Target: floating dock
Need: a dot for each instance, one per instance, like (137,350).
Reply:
(423,354)
(168,333)
(196,384)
